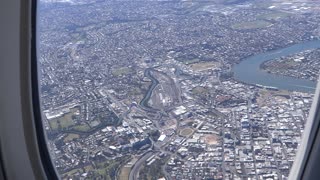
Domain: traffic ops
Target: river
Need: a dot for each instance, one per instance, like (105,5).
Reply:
(248,70)
(154,83)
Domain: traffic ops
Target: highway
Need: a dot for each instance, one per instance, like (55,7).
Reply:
(137,166)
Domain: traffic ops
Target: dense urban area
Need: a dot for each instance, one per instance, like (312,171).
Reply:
(146,89)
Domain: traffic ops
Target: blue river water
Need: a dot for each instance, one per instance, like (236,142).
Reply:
(248,70)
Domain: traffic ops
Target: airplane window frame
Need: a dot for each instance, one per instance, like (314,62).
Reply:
(307,156)
(23,150)
(47,163)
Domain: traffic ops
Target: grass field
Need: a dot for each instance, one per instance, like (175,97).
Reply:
(71,137)
(122,71)
(125,170)
(273,16)
(81,127)
(135,91)
(201,66)
(191,61)
(64,121)
(72,172)
(124,174)
(101,170)
(153,171)
(251,25)
(199,90)
(186,132)
(106,169)
(54,124)
(80,170)
(266,94)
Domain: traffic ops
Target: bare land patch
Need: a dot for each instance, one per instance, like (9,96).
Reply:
(202,66)
(211,139)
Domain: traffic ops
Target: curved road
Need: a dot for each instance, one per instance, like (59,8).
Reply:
(137,166)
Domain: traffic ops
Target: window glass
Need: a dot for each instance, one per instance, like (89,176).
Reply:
(176,89)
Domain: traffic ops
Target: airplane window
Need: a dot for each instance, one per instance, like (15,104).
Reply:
(176,89)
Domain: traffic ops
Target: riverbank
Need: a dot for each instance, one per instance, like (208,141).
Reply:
(248,70)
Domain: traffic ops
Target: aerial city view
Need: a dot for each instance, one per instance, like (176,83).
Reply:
(176,89)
